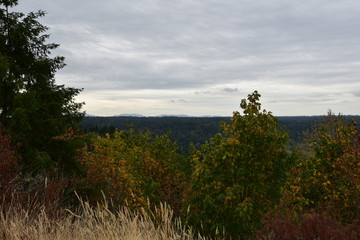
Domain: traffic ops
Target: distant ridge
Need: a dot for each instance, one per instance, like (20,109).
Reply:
(173,115)
(209,116)
(159,116)
(129,115)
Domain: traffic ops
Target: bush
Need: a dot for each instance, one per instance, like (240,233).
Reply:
(327,176)
(45,189)
(134,168)
(308,226)
(9,168)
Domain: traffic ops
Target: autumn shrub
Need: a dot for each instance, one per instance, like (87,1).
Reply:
(25,189)
(135,168)
(307,226)
(326,177)
(9,168)
(51,191)
(67,150)
(239,173)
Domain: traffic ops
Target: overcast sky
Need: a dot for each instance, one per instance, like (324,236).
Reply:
(201,57)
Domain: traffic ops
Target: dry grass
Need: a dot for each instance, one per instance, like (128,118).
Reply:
(91,223)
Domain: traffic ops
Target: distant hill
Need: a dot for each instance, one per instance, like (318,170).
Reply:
(186,130)
(129,115)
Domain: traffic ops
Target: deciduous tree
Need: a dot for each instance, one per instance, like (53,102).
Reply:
(239,173)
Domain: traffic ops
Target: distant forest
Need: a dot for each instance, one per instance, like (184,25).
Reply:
(192,130)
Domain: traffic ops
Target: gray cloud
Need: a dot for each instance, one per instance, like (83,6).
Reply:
(203,93)
(230,90)
(178,101)
(288,50)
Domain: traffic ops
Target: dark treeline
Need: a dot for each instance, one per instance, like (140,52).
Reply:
(195,130)
(183,130)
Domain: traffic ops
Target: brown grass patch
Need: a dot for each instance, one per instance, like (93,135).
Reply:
(87,222)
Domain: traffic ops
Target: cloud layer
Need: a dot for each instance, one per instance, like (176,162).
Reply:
(200,57)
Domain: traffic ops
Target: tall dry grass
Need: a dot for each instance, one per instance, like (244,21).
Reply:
(87,222)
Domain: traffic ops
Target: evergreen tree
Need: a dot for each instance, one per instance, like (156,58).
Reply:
(35,110)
